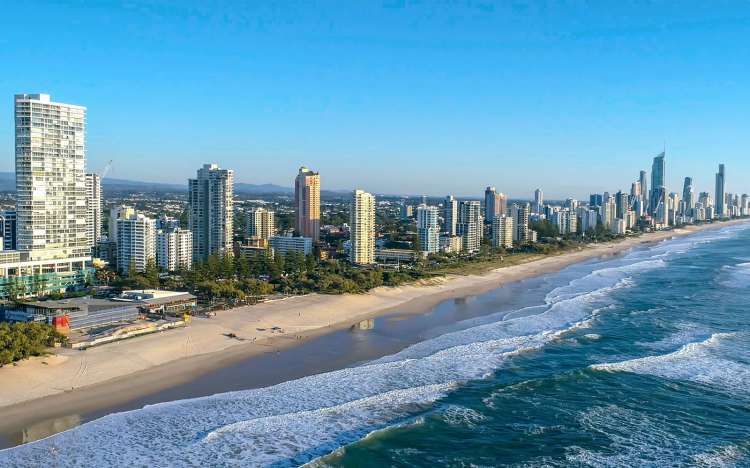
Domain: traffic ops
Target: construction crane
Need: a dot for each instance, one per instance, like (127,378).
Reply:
(106,169)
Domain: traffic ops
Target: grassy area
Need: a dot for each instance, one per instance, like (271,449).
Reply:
(482,266)
(486,262)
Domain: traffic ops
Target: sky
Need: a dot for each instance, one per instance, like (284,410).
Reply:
(395,96)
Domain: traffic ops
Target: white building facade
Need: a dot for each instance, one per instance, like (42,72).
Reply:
(136,242)
(174,249)
(362,228)
(427,229)
(210,211)
(50,178)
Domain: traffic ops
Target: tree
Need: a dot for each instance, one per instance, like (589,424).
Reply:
(22,340)
(152,273)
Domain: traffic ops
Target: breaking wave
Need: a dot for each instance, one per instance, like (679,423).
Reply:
(298,421)
(704,362)
(736,276)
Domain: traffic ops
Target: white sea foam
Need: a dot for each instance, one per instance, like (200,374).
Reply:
(297,421)
(735,276)
(461,416)
(699,362)
(726,456)
(301,420)
(636,439)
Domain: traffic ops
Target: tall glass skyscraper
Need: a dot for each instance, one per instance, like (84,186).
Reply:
(688,193)
(720,201)
(658,187)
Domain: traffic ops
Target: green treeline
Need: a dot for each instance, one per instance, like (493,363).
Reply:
(22,340)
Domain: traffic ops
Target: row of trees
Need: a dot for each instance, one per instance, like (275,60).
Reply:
(22,340)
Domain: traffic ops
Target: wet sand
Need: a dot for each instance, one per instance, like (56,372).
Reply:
(201,360)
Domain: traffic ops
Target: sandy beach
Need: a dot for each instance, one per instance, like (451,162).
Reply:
(70,380)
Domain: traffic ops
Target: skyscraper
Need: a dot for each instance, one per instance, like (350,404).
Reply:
(538,200)
(50,178)
(622,204)
(643,180)
(307,204)
(521,233)
(490,205)
(94,208)
(115,213)
(362,228)
(261,223)
(210,211)
(688,194)
(450,215)
(502,232)
(174,249)
(658,198)
(720,195)
(427,229)
(136,242)
(469,225)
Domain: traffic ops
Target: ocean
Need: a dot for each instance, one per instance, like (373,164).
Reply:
(637,360)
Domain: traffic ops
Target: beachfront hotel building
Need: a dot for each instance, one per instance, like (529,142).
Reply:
(362,228)
(136,242)
(307,204)
(282,245)
(427,229)
(93,208)
(50,178)
(469,225)
(521,231)
(261,223)
(174,249)
(52,246)
(502,232)
(115,213)
(210,211)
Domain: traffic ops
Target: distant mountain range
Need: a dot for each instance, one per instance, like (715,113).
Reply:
(8,184)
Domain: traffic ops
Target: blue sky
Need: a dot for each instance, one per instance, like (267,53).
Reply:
(400,97)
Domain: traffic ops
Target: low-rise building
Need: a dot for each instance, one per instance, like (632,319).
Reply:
(284,244)
(21,277)
(451,244)
(395,255)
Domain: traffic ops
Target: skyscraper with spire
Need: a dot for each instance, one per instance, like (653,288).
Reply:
(720,195)
(658,208)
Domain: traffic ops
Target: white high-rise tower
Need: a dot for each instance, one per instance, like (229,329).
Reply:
(93,208)
(51,178)
(211,215)
(362,228)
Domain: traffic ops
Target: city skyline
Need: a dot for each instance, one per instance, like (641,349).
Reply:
(480,89)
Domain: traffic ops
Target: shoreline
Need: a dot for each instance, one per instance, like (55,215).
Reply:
(102,377)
